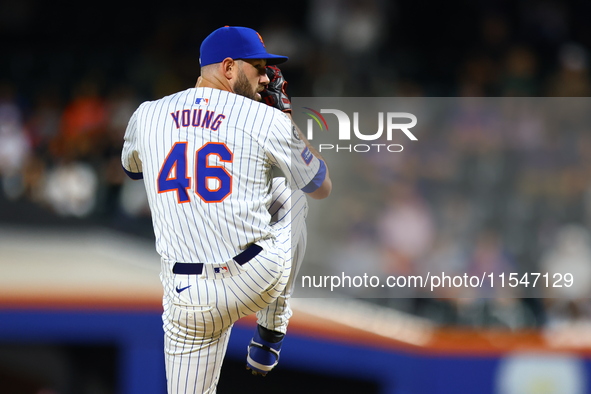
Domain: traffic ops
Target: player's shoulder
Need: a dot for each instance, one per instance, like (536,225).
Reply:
(271,115)
(278,118)
(237,100)
(250,111)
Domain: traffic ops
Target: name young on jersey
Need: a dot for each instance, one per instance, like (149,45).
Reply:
(197,118)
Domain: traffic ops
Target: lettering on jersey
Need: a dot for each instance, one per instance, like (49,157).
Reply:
(186,117)
(207,119)
(307,156)
(175,116)
(216,123)
(197,118)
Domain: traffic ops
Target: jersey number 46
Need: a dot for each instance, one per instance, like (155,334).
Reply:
(213,183)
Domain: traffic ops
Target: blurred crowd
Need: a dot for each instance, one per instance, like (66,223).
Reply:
(493,186)
(66,158)
(63,116)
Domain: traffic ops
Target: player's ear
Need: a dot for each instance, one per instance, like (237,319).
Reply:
(228,67)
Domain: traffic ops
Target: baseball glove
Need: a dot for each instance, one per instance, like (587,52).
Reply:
(274,94)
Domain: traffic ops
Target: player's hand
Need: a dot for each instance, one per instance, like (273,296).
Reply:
(274,93)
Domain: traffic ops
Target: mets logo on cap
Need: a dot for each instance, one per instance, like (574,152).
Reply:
(261,38)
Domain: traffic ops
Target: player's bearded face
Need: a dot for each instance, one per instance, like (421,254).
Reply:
(244,88)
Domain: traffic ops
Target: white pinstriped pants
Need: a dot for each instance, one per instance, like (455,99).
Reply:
(198,320)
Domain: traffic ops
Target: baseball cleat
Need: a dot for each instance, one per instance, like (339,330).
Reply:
(263,351)
(255,372)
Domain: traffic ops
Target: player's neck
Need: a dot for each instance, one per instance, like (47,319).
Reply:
(213,83)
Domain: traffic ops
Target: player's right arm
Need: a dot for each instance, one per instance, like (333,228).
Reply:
(288,151)
(275,96)
(325,187)
(130,158)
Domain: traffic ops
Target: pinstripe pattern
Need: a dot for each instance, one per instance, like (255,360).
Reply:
(198,320)
(289,210)
(259,136)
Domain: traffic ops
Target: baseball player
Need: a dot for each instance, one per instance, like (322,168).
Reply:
(230,236)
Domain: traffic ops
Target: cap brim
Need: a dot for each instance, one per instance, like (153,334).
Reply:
(271,59)
(276,59)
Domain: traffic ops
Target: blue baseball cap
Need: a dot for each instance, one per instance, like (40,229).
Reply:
(237,43)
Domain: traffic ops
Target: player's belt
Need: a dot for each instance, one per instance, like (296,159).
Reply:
(197,268)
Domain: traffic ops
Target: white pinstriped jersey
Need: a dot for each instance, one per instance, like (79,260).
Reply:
(205,156)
